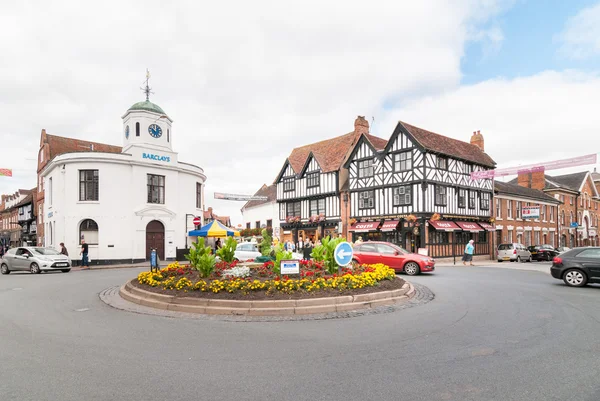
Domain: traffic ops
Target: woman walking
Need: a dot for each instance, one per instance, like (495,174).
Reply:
(468,256)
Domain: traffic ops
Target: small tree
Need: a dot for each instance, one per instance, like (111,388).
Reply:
(200,258)
(265,245)
(227,251)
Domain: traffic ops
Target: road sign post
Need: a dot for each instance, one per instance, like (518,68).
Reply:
(343,254)
(196,221)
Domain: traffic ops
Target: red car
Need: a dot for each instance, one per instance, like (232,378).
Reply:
(393,256)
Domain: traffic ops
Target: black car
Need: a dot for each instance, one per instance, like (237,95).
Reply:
(542,252)
(578,266)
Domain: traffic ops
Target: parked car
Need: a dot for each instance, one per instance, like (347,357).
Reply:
(392,255)
(249,250)
(35,260)
(514,252)
(578,266)
(562,249)
(542,252)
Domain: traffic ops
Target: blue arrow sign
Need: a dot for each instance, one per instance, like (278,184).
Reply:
(574,225)
(343,253)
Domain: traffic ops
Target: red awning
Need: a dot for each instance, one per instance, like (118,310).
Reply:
(364,227)
(467,226)
(389,225)
(444,225)
(487,226)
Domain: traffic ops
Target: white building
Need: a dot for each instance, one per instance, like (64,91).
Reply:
(263,213)
(121,203)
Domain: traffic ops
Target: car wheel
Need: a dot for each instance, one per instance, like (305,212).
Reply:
(519,259)
(530,259)
(575,278)
(65,270)
(35,269)
(411,268)
(4,269)
(548,257)
(499,260)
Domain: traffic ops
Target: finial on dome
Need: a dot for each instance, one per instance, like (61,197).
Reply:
(147,90)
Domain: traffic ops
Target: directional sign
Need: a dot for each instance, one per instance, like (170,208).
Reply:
(343,253)
(574,225)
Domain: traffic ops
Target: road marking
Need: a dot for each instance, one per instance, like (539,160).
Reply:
(17,289)
(82,310)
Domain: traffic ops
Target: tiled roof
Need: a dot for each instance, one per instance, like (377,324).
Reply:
(269,191)
(518,190)
(59,145)
(568,181)
(329,153)
(449,146)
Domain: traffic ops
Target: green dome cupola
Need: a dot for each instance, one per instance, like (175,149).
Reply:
(147,106)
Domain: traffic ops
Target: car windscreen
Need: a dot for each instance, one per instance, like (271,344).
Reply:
(45,251)
(505,247)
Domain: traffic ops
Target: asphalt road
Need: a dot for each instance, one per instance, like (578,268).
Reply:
(489,334)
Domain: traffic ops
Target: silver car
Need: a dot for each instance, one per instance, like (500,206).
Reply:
(513,252)
(35,260)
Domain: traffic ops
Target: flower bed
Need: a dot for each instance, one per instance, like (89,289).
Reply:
(232,281)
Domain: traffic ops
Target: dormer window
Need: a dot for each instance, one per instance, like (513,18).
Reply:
(365,168)
(312,180)
(289,184)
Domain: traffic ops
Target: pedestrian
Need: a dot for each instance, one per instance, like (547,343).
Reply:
(63,249)
(85,262)
(300,244)
(217,244)
(468,256)
(359,240)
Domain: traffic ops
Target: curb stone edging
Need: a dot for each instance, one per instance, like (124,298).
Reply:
(344,303)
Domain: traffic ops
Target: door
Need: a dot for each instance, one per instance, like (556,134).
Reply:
(369,254)
(388,256)
(21,259)
(590,259)
(155,239)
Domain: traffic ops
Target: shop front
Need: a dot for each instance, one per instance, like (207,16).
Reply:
(365,231)
(296,232)
(449,238)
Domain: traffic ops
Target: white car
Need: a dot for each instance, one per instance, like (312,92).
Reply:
(249,250)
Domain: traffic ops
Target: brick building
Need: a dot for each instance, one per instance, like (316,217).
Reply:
(509,200)
(10,229)
(580,203)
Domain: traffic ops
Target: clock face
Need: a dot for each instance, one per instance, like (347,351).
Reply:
(155,130)
(127,132)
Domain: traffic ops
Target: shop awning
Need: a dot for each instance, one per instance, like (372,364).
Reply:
(364,227)
(389,225)
(443,225)
(467,226)
(487,226)
(214,229)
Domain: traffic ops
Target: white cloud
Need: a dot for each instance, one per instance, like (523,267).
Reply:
(245,82)
(580,38)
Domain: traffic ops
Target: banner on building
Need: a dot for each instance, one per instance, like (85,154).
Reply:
(236,197)
(531,212)
(5,172)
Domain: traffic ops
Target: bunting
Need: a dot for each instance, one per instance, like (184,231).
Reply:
(5,172)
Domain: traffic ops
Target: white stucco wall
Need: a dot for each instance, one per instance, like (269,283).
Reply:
(264,212)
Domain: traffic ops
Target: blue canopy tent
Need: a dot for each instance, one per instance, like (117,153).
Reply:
(214,229)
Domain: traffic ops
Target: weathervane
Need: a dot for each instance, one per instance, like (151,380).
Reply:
(147,88)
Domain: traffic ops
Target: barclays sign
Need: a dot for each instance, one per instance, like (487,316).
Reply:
(156,157)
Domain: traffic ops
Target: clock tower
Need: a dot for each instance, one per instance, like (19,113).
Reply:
(146,125)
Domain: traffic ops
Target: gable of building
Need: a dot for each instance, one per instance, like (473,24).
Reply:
(270,191)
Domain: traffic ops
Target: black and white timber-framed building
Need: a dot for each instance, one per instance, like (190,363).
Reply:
(417,192)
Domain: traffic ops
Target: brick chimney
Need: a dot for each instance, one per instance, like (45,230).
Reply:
(538,178)
(361,126)
(524,178)
(477,140)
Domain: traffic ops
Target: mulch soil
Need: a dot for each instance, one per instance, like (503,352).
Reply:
(385,285)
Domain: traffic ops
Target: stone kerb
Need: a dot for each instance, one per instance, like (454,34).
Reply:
(265,308)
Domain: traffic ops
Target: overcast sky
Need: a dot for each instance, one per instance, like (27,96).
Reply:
(245,82)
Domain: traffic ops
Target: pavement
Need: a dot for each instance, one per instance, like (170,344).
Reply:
(489,334)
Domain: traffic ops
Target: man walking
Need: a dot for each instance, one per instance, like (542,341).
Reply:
(85,263)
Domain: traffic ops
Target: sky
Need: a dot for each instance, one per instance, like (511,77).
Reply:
(246,82)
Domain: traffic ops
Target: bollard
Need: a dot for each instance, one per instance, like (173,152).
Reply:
(153,261)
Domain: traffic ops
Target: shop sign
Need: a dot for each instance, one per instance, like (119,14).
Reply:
(156,157)
(531,212)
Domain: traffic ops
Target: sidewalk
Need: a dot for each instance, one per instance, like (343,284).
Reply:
(543,267)
(145,265)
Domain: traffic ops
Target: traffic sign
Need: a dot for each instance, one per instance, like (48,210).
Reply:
(574,225)
(197,221)
(343,254)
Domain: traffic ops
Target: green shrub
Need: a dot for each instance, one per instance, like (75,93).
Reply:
(265,245)
(200,258)
(227,251)
(329,258)
(280,254)
(318,253)
(206,265)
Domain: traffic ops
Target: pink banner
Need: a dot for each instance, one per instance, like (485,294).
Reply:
(532,168)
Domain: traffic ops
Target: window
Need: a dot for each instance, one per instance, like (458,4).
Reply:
(402,196)
(439,237)
(519,215)
(248,226)
(572,200)
(198,195)
(462,198)
(510,236)
(484,201)
(581,201)
(269,223)
(579,218)
(289,184)
(551,210)
(40,184)
(440,195)
(366,200)
(536,237)
(472,195)
(442,163)
(257,224)
(168,135)
(509,209)
(317,206)
(469,168)
(88,185)
(293,209)
(367,248)
(562,218)
(88,231)
(156,189)
(481,237)
(543,212)
(365,168)
(50,192)
(313,180)
(50,233)
(137,129)
(571,218)
(403,161)
(40,214)
(589,253)
(498,209)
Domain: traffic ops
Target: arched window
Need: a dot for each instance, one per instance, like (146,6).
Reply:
(50,234)
(137,129)
(168,135)
(88,231)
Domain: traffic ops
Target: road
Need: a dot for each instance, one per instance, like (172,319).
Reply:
(490,334)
